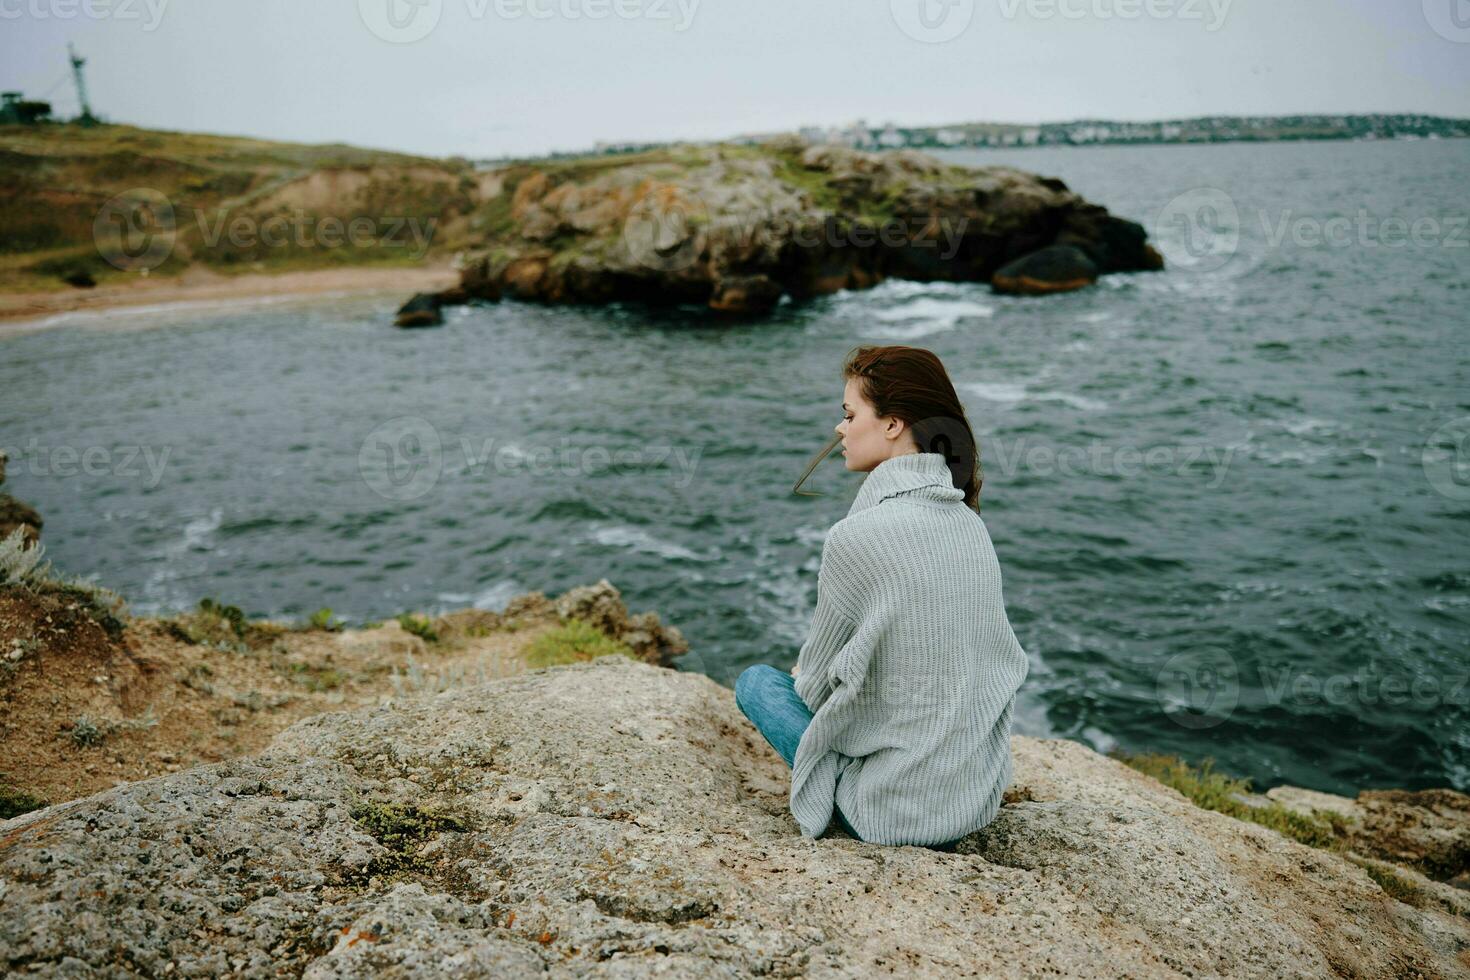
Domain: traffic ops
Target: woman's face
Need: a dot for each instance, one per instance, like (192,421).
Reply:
(868,440)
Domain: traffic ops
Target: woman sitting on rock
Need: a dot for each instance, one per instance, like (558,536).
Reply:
(898,712)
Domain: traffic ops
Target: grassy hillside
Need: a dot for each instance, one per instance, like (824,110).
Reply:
(237,204)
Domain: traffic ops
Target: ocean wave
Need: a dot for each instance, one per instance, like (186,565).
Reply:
(493,597)
(1014,392)
(636,539)
(926,315)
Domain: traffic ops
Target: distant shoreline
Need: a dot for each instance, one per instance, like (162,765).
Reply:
(202,286)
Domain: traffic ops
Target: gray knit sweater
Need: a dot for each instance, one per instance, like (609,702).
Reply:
(910,669)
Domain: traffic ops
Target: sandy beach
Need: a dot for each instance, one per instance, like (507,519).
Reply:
(202,286)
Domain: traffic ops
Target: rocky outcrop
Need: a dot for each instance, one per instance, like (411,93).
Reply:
(601,605)
(617,819)
(737,228)
(17,514)
(91,696)
(1428,829)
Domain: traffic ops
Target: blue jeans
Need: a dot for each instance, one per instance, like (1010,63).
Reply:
(769,699)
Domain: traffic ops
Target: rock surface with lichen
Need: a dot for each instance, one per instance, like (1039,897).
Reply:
(618,819)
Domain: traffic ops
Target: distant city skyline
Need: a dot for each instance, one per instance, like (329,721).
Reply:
(488,78)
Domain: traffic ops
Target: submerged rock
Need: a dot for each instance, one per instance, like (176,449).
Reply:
(614,818)
(737,228)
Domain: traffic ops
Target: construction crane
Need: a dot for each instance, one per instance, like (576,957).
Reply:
(86,118)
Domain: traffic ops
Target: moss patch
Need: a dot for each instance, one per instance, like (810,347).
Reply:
(401,828)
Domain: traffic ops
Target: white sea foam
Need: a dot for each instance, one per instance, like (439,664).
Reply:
(811,535)
(926,315)
(1013,392)
(637,539)
(1307,426)
(494,597)
(198,533)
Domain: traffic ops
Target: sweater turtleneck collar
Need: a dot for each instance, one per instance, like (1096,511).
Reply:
(914,474)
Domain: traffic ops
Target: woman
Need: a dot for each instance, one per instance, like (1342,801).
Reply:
(897,716)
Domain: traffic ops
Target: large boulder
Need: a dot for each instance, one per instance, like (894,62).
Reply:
(617,819)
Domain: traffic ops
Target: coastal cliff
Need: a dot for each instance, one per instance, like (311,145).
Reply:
(739,227)
(610,816)
(613,818)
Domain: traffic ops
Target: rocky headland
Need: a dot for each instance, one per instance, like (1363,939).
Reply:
(540,792)
(738,227)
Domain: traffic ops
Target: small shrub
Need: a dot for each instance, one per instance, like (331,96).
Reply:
(197,678)
(316,678)
(86,732)
(214,624)
(573,642)
(323,619)
(21,564)
(230,614)
(419,626)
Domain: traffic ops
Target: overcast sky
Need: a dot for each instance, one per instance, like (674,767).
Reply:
(493,77)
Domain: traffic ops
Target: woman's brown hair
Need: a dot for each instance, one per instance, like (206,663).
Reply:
(911,384)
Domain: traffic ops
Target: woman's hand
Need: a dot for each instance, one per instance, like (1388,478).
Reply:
(796,669)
